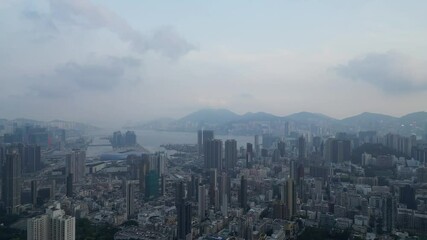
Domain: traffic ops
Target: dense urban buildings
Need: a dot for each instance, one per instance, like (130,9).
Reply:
(267,186)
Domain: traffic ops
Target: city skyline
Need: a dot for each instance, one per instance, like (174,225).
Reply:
(143,61)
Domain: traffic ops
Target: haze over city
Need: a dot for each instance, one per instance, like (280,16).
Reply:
(225,120)
(115,62)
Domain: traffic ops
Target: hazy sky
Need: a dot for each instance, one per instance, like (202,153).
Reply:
(115,62)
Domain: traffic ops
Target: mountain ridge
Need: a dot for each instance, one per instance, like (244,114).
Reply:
(226,120)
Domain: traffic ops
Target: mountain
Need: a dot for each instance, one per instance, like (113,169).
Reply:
(310,117)
(368,117)
(370,121)
(228,122)
(417,118)
(211,116)
(258,116)
(413,123)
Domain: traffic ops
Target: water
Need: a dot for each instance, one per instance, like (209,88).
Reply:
(152,139)
(95,151)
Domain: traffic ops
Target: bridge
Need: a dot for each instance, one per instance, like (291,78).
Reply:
(100,145)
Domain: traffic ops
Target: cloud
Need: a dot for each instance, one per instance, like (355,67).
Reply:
(83,13)
(390,72)
(71,78)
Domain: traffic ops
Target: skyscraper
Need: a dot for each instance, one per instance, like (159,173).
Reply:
(152,185)
(291,198)
(302,149)
(130,138)
(31,158)
(249,154)
(54,225)
(130,204)
(230,154)
(337,150)
(213,154)
(183,208)
(62,226)
(287,129)
(192,188)
(38,228)
(257,146)
(69,185)
(75,163)
(184,220)
(201,202)
(213,188)
(163,185)
(389,213)
(11,181)
(202,137)
(282,148)
(143,167)
(179,191)
(224,192)
(34,192)
(407,196)
(243,193)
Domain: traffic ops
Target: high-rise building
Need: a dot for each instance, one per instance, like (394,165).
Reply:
(202,137)
(407,197)
(163,185)
(152,185)
(279,210)
(230,154)
(183,208)
(389,213)
(257,146)
(11,181)
(130,200)
(179,191)
(31,158)
(54,225)
(213,154)
(224,192)
(302,149)
(249,148)
(287,129)
(34,193)
(184,220)
(201,211)
(292,169)
(157,162)
(291,198)
(143,167)
(282,148)
(243,193)
(63,227)
(193,187)
(38,228)
(337,150)
(213,188)
(75,163)
(69,185)
(53,189)
(130,138)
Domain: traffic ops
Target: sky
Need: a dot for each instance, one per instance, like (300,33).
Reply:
(111,63)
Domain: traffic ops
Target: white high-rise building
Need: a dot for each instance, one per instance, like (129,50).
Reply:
(54,225)
(38,228)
